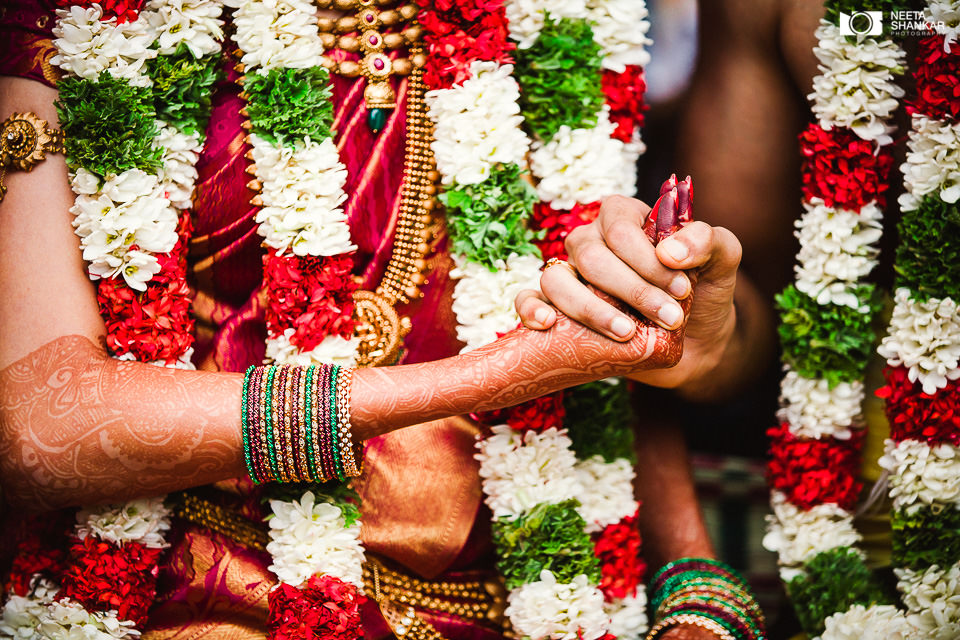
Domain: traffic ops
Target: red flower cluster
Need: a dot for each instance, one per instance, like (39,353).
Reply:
(457,32)
(624,92)
(558,224)
(323,608)
(103,576)
(123,10)
(538,414)
(621,566)
(812,472)
(155,324)
(938,80)
(313,295)
(916,415)
(39,547)
(843,169)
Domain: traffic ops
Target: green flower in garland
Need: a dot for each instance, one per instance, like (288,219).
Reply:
(928,258)
(286,105)
(551,537)
(599,420)
(926,537)
(182,88)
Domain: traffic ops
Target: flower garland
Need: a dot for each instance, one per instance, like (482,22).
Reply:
(122,67)
(315,547)
(556,503)
(922,348)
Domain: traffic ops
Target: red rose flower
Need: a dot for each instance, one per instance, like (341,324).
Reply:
(915,415)
(812,472)
(624,92)
(122,10)
(558,224)
(313,295)
(843,169)
(621,566)
(938,80)
(323,608)
(103,576)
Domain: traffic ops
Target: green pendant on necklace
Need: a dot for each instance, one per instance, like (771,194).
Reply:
(376,66)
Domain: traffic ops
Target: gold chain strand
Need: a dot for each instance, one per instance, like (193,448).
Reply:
(220,520)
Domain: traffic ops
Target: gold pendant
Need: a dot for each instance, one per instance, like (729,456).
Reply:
(380,328)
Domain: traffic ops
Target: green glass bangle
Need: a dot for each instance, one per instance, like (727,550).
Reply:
(268,427)
(244,424)
(703,590)
(308,425)
(332,423)
(681,580)
(712,602)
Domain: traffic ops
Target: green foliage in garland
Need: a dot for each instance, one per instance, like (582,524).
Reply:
(488,221)
(550,536)
(850,7)
(286,105)
(600,420)
(108,125)
(335,492)
(833,581)
(182,87)
(826,340)
(560,78)
(928,258)
(926,537)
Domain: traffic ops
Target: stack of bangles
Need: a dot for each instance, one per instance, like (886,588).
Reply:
(707,594)
(296,424)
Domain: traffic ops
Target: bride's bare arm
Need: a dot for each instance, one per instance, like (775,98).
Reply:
(77,426)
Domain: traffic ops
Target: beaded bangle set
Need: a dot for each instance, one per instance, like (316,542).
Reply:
(296,424)
(707,594)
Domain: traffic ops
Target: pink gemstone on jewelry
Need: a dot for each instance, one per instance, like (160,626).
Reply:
(378,64)
(369,17)
(374,40)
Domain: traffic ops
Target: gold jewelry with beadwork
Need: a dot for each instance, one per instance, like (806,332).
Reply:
(25,139)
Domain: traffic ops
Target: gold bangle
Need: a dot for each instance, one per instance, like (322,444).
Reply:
(25,139)
(692,619)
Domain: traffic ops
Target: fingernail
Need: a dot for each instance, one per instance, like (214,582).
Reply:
(677,250)
(679,287)
(541,315)
(621,327)
(670,314)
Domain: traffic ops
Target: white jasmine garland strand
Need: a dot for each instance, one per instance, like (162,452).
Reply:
(22,615)
(606,491)
(797,535)
(813,410)
(922,475)
(857,86)
(933,162)
(66,619)
(477,124)
(195,24)
(525,17)
(838,248)
(620,28)
(274,34)
(932,598)
(521,470)
(331,350)
(945,14)
(178,173)
(628,616)
(144,521)
(560,611)
(876,622)
(925,338)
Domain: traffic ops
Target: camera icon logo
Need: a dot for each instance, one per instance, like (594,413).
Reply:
(861,23)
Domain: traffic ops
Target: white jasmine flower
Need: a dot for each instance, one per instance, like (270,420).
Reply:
(876,622)
(22,615)
(606,492)
(86,46)
(302,196)
(145,520)
(814,410)
(620,28)
(331,350)
(945,16)
(583,165)
(525,17)
(194,23)
(857,85)
(178,174)
(477,124)
(797,535)
(522,470)
(837,250)
(921,474)
(309,537)
(628,616)
(925,338)
(932,598)
(483,299)
(547,609)
(68,620)
(933,161)
(185,361)
(275,34)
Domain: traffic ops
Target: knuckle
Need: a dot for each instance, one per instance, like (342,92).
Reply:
(576,238)
(641,297)
(620,232)
(590,256)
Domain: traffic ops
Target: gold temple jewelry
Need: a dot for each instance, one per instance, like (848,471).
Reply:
(25,139)
(220,520)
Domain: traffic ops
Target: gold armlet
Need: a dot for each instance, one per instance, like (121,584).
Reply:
(25,141)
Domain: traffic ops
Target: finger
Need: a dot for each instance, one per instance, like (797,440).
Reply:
(698,245)
(622,231)
(576,300)
(534,310)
